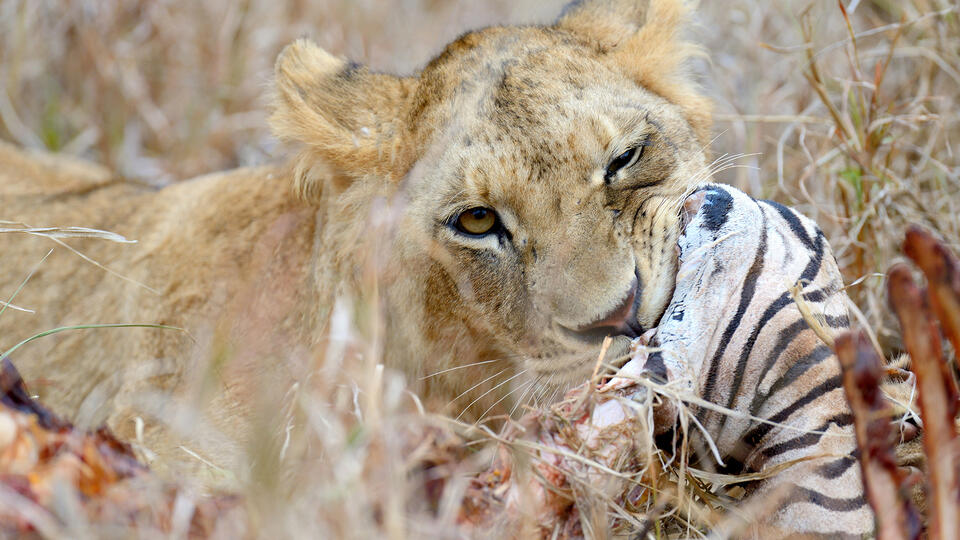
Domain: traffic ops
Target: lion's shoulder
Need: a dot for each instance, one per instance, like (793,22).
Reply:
(25,172)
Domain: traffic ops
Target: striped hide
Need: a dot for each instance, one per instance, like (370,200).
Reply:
(734,336)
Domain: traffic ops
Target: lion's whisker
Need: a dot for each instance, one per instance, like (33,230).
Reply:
(542,390)
(476,385)
(725,158)
(720,164)
(441,372)
(483,415)
(531,386)
(481,396)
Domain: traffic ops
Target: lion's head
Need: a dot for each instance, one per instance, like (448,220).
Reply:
(540,169)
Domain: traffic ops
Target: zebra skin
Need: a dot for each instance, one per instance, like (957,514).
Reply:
(734,336)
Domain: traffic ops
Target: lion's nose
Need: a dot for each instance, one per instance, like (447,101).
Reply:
(619,320)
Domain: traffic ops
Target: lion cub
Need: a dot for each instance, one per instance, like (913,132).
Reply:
(529,178)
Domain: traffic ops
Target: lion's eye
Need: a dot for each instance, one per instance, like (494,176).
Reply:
(623,161)
(477,221)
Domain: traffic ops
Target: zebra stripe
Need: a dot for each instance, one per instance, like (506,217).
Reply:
(749,287)
(755,435)
(835,469)
(744,345)
(807,439)
(801,494)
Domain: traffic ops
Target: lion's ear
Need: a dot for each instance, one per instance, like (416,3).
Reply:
(607,22)
(342,113)
(644,38)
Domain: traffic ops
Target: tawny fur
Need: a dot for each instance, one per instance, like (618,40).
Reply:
(523,120)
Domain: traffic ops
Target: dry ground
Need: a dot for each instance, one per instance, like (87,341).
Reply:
(855,120)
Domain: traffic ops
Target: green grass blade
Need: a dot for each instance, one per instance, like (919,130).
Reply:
(24,283)
(45,333)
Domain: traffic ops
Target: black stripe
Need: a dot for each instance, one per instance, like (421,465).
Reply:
(807,439)
(768,314)
(835,469)
(805,495)
(732,465)
(786,337)
(746,295)
(819,353)
(816,260)
(718,209)
(793,221)
(755,435)
(820,294)
(789,333)
(745,353)
(752,276)
(841,322)
(809,272)
(656,368)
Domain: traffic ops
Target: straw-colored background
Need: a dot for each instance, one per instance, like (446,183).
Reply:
(163,90)
(169,89)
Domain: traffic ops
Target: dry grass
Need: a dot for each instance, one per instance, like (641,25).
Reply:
(853,120)
(161,91)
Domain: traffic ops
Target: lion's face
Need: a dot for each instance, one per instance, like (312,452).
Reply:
(553,186)
(541,170)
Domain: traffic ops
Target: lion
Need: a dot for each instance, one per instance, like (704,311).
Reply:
(519,197)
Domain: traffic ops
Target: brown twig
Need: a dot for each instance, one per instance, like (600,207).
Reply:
(938,399)
(942,271)
(884,481)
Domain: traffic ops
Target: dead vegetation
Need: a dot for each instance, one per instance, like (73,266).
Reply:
(923,313)
(587,466)
(849,112)
(46,463)
(853,111)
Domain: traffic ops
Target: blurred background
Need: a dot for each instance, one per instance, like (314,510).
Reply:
(847,110)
